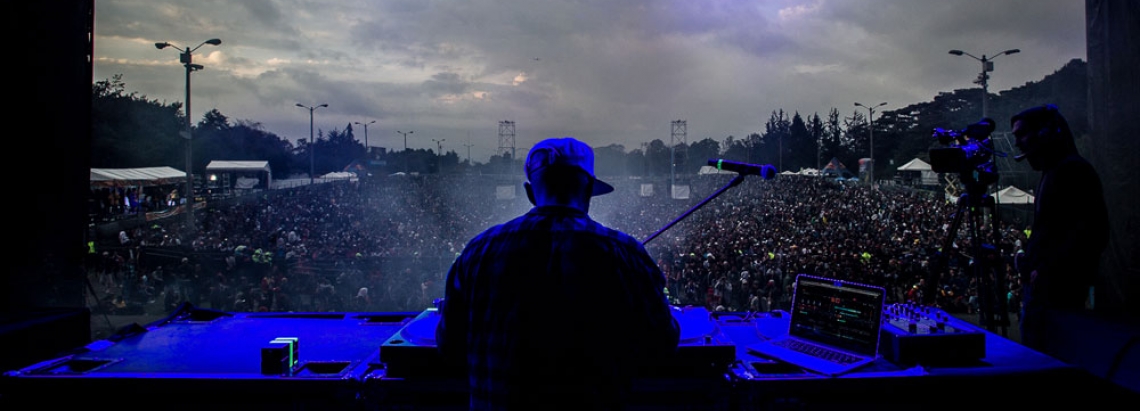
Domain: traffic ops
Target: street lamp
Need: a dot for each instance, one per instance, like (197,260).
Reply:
(871,132)
(187,60)
(439,155)
(365,132)
(405,148)
(983,78)
(312,146)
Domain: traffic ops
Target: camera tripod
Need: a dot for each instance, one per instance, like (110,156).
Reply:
(985,264)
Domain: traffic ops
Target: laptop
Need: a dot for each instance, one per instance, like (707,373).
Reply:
(833,327)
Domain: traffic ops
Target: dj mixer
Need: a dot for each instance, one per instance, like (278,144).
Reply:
(913,334)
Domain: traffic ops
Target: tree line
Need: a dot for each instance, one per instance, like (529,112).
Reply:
(130,130)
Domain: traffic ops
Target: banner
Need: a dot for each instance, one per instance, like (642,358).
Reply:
(505,192)
(680,192)
(646,190)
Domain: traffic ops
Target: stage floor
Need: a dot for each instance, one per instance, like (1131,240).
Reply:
(201,357)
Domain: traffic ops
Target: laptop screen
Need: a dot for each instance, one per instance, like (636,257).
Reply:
(842,314)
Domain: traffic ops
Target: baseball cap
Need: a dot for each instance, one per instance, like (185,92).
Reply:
(565,151)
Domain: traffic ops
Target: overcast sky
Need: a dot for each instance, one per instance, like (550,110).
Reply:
(605,71)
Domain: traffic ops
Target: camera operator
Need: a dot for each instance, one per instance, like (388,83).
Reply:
(1070,224)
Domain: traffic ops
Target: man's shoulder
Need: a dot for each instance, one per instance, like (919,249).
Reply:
(1077,170)
(620,236)
(535,218)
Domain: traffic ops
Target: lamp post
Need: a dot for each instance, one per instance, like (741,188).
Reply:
(871,135)
(405,148)
(365,132)
(439,155)
(312,145)
(187,60)
(983,78)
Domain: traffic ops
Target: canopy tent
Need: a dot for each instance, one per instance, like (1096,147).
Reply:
(246,172)
(919,171)
(915,165)
(339,175)
(116,177)
(837,169)
(1013,195)
(713,170)
(140,191)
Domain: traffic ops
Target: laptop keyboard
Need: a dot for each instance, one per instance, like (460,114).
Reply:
(818,352)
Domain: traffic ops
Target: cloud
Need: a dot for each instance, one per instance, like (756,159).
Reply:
(619,70)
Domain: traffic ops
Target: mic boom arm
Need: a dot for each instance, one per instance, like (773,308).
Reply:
(735,182)
(766,172)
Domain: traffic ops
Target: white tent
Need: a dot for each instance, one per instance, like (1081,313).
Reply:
(925,173)
(915,165)
(136,176)
(713,170)
(244,173)
(339,175)
(1013,195)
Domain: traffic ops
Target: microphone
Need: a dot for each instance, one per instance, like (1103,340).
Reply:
(766,171)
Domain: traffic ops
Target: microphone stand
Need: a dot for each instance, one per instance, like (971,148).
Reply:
(735,182)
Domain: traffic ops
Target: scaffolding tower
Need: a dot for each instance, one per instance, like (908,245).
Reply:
(507,141)
(679,134)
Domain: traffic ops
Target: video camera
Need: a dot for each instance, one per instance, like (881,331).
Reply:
(969,152)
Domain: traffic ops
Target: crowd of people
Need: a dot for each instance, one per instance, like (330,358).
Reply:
(385,244)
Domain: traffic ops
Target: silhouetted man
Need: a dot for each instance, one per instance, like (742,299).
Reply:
(1070,223)
(552,310)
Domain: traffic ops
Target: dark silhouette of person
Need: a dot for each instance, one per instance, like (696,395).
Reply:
(553,310)
(1070,224)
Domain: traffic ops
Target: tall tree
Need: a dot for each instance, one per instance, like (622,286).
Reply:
(855,140)
(833,137)
(610,160)
(816,130)
(129,130)
(658,156)
(777,131)
(735,150)
(701,152)
(800,145)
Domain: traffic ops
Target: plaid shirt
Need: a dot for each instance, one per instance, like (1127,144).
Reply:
(554,310)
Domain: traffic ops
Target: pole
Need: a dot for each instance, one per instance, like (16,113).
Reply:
(312,147)
(983,78)
(871,136)
(312,144)
(405,134)
(366,133)
(672,169)
(439,155)
(189,194)
(985,87)
(468,145)
(187,59)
